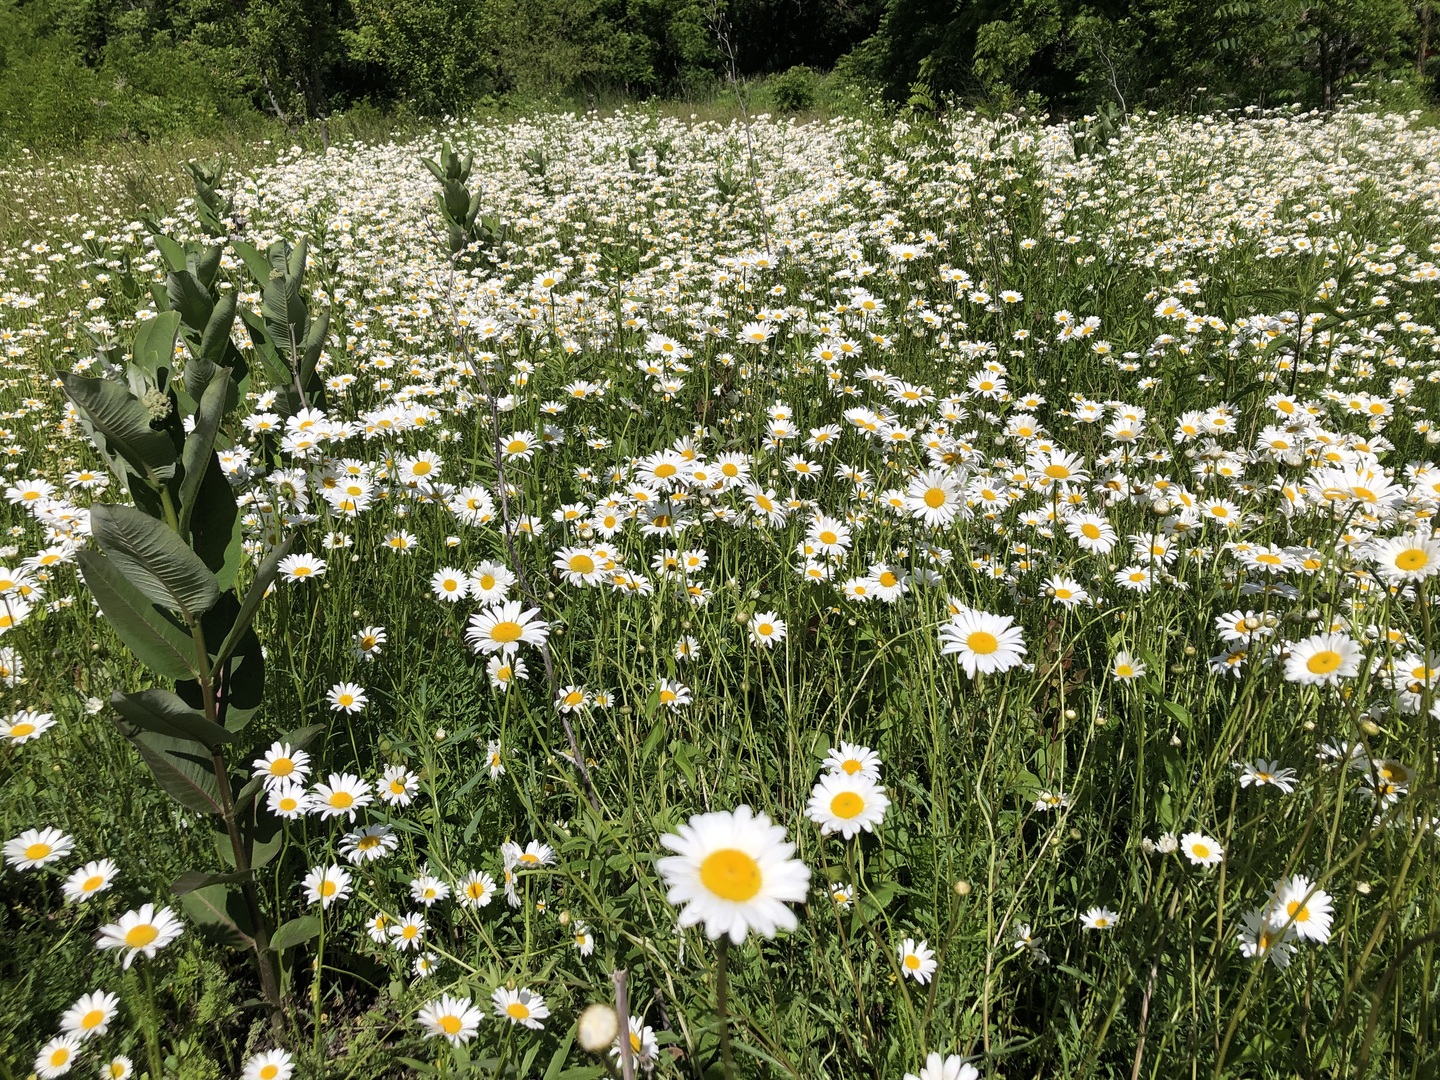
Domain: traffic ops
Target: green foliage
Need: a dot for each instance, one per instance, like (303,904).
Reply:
(794,90)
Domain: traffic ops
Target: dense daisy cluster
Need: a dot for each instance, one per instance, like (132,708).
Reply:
(1090,499)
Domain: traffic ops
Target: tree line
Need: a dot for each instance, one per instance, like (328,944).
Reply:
(72,70)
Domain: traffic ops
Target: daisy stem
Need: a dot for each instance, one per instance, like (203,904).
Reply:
(722,997)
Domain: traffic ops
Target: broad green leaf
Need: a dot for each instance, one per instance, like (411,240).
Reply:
(155,559)
(154,349)
(166,714)
(190,298)
(200,445)
(125,423)
(286,319)
(295,932)
(215,342)
(216,532)
(184,774)
(256,261)
(251,604)
(191,880)
(220,911)
(172,252)
(157,643)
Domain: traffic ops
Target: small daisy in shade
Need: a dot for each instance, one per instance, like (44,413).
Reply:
(25,725)
(347,698)
(644,1048)
(1201,849)
(1099,918)
(270,1065)
(949,1068)
(475,890)
(408,931)
(675,695)
(57,1057)
(493,759)
(289,800)
(584,939)
(917,960)
(982,642)
(532,856)
(368,844)
(454,1019)
(369,642)
(1323,660)
(766,629)
(35,848)
(733,872)
(841,895)
(847,804)
(398,786)
(1306,907)
(1264,773)
(377,927)
(425,965)
(851,759)
(571,699)
(92,878)
(301,567)
(90,1015)
(343,794)
(327,885)
(504,670)
(281,764)
(1126,668)
(119,1067)
(520,1006)
(143,931)
(428,890)
(1260,938)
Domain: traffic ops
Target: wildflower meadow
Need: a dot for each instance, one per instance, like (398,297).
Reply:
(627,595)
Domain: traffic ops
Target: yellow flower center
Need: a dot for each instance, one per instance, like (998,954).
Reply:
(59,1056)
(1298,911)
(846,805)
(575,697)
(450,1025)
(582,564)
(1412,559)
(1057,472)
(1200,851)
(935,498)
(506,632)
(828,537)
(20,730)
(665,471)
(342,800)
(270,1071)
(1090,531)
(982,642)
(731,874)
(517,446)
(420,468)
(518,1010)
(912,962)
(93,882)
(37,851)
(137,937)
(328,887)
(889,580)
(93,1018)
(1324,662)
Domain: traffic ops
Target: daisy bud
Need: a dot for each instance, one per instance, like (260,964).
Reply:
(1070,714)
(962,887)
(1175,739)
(1370,728)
